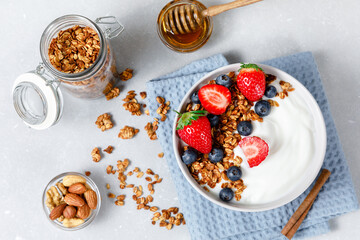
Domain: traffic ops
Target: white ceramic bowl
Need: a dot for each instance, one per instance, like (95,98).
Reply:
(309,175)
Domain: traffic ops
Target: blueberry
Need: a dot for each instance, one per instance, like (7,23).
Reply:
(216,155)
(224,80)
(189,156)
(195,98)
(245,128)
(262,108)
(226,194)
(213,119)
(234,173)
(270,91)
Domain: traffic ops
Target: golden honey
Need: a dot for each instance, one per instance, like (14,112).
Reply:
(186,42)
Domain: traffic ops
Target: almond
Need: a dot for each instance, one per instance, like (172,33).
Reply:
(57,211)
(91,198)
(74,200)
(77,188)
(83,212)
(69,212)
(72,179)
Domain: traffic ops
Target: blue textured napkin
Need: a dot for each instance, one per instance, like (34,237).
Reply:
(206,220)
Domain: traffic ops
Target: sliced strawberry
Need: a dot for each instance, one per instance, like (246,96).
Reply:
(195,130)
(251,81)
(255,150)
(214,98)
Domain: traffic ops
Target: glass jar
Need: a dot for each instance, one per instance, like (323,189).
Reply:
(89,183)
(36,95)
(186,42)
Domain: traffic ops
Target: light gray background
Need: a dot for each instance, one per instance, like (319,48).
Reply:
(273,28)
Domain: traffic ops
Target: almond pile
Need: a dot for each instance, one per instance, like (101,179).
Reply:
(72,201)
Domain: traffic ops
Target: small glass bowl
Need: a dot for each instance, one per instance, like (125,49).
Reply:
(94,212)
(177,43)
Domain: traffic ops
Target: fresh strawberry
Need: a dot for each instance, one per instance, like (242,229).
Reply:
(255,150)
(251,81)
(214,98)
(194,129)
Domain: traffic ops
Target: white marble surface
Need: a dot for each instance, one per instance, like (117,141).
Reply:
(273,28)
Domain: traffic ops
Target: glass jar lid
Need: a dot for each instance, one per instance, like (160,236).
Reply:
(37,99)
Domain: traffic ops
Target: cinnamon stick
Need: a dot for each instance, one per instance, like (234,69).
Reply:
(299,215)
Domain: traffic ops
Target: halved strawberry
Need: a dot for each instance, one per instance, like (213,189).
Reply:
(195,130)
(255,150)
(214,98)
(251,81)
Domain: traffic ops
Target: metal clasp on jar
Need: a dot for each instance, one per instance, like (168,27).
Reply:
(110,25)
(50,80)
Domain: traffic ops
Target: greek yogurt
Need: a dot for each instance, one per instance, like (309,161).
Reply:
(288,130)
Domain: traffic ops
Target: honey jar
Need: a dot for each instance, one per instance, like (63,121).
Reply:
(188,41)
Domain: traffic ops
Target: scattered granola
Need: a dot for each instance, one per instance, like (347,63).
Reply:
(149,171)
(143,201)
(120,197)
(161,155)
(87,173)
(74,49)
(167,220)
(119,203)
(151,128)
(143,95)
(122,165)
(109,149)
(113,93)
(273,103)
(127,74)
(286,87)
(95,153)
(109,169)
(127,132)
(107,186)
(131,104)
(104,122)
(163,108)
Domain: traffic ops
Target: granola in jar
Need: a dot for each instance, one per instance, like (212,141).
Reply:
(77,52)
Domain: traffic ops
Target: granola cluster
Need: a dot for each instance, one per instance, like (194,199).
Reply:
(127,132)
(104,122)
(151,128)
(286,87)
(143,95)
(95,153)
(113,93)
(109,149)
(163,108)
(74,49)
(131,104)
(126,75)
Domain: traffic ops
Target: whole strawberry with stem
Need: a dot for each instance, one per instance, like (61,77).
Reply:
(195,130)
(251,81)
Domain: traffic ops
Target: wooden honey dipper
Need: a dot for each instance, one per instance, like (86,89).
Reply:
(187,18)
